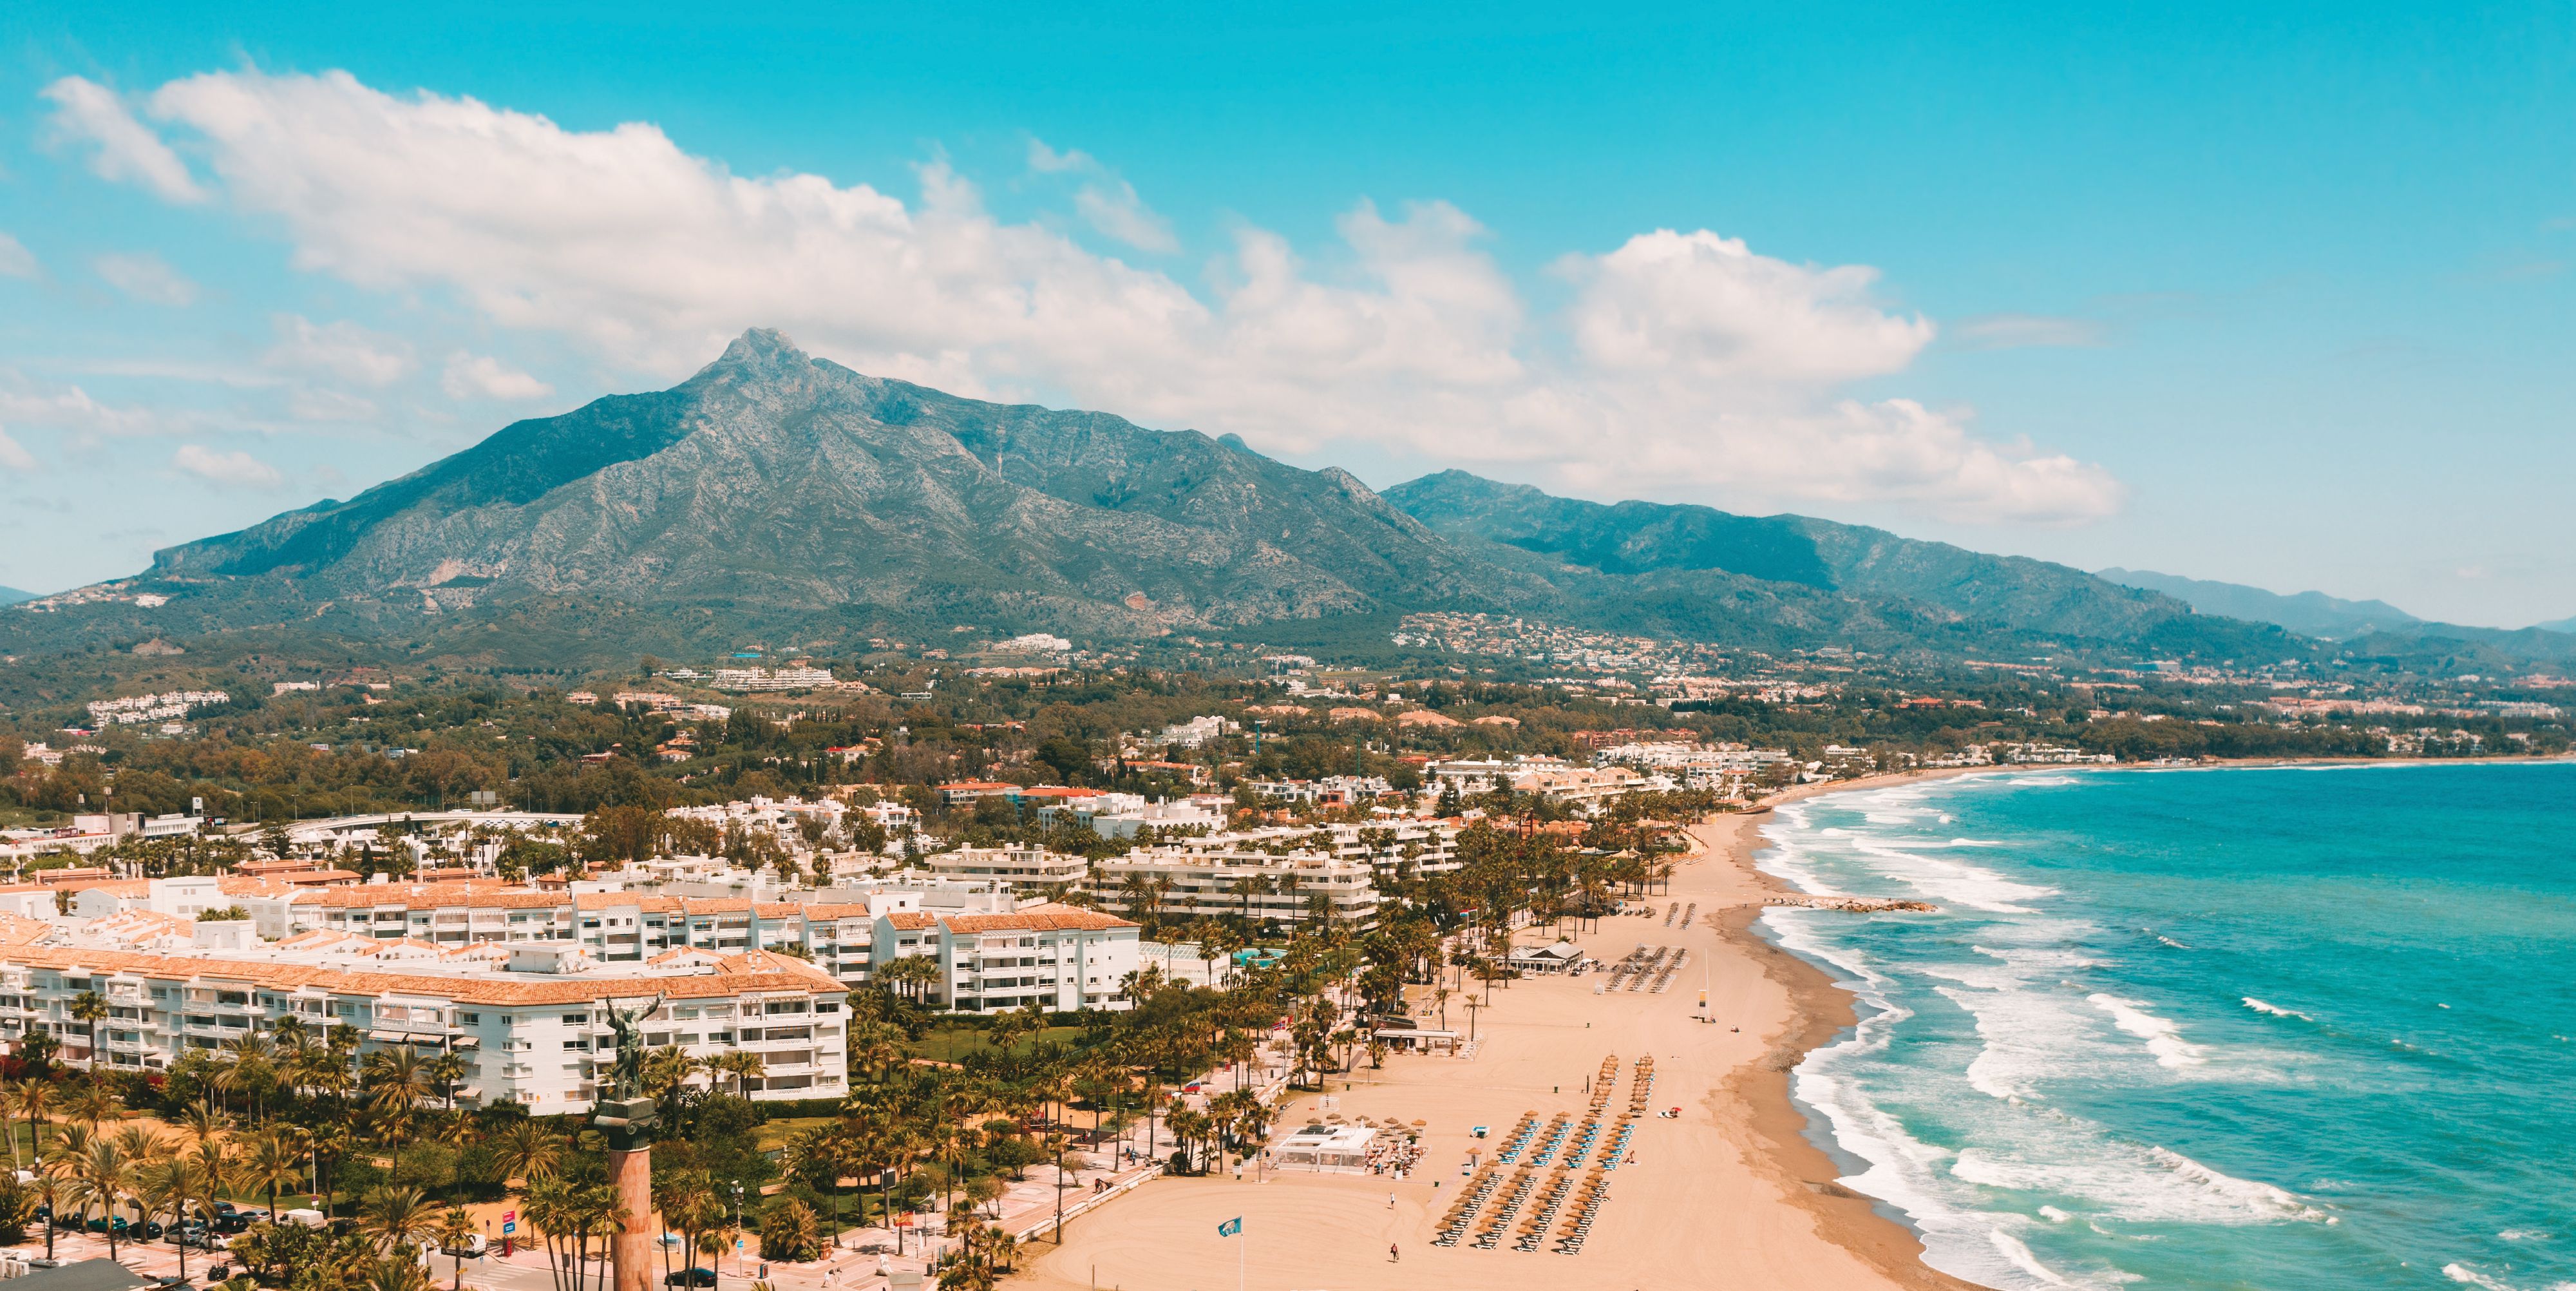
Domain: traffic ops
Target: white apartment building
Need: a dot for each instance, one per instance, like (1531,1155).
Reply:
(1396,847)
(529,1019)
(1242,880)
(1023,869)
(1057,957)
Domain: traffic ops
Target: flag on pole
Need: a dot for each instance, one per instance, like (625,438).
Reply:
(1230,1227)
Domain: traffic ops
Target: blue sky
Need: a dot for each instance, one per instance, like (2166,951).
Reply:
(2279,298)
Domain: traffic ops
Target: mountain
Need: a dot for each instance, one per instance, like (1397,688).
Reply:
(774,484)
(2556,625)
(2307,613)
(1851,576)
(775,495)
(11,596)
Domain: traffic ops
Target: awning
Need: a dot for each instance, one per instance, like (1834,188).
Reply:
(469,1042)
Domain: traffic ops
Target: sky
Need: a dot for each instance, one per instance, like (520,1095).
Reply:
(2269,294)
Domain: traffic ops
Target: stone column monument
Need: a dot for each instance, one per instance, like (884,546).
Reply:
(628,1117)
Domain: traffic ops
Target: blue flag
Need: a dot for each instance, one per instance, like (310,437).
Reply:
(1230,1227)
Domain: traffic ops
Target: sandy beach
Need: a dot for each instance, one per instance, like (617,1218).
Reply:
(1728,1193)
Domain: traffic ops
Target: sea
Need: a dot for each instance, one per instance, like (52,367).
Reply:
(2307,1027)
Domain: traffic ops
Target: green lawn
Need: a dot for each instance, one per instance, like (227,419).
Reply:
(942,1045)
(775,1133)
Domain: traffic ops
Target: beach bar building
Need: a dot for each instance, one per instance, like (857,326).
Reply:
(1562,957)
(1327,1149)
(1403,1034)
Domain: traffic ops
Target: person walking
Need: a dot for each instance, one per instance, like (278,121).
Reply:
(1393,1256)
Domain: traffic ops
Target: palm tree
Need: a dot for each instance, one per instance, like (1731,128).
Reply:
(104,1174)
(397,1275)
(88,1007)
(271,1162)
(396,1216)
(93,1104)
(250,1070)
(201,1123)
(528,1152)
(444,1072)
(52,1190)
(398,1078)
(455,1229)
(32,1096)
(743,1065)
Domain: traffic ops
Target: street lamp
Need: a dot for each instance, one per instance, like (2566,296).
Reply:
(737,1228)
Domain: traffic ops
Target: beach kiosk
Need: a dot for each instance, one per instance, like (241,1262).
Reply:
(1404,1034)
(1563,957)
(1327,1149)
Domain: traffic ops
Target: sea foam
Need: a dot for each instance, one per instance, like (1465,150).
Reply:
(2164,1039)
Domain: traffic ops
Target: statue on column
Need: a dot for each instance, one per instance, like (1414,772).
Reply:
(624,1110)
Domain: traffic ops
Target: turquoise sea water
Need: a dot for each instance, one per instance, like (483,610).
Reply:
(2299,1028)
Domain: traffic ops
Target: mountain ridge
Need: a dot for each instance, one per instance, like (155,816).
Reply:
(2308,613)
(773,492)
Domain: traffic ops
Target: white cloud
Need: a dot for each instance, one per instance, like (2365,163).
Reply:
(127,149)
(146,277)
(237,469)
(342,349)
(16,261)
(15,456)
(70,408)
(475,376)
(1106,202)
(1684,360)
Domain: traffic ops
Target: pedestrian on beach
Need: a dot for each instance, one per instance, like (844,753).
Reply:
(1393,1255)
(1390,1201)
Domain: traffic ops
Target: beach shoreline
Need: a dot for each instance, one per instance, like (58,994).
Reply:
(1822,1012)
(1764,1113)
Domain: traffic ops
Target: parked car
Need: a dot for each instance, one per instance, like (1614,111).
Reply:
(690,1278)
(472,1248)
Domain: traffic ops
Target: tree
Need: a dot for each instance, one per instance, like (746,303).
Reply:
(272,1161)
(455,1230)
(397,1216)
(790,1232)
(89,1007)
(528,1152)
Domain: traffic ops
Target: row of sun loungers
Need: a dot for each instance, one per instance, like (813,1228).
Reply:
(1578,1220)
(1689,914)
(1557,1204)
(1664,976)
(1515,1192)
(1550,1140)
(1518,1139)
(1462,1212)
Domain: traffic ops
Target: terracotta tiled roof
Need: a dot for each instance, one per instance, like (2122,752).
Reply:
(429,896)
(912,920)
(1050,917)
(780,974)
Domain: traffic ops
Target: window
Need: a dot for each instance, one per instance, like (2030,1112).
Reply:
(469,1019)
(576,1019)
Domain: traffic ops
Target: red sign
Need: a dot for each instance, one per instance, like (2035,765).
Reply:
(508,1216)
